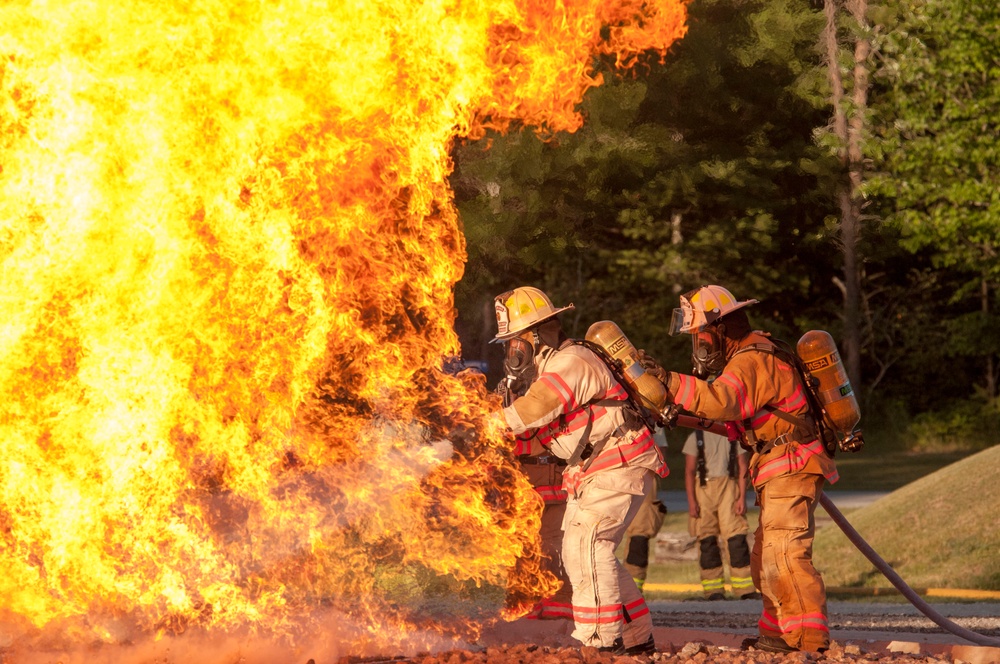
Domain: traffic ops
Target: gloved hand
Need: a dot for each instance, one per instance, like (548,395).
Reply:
(503,391)
(668,416)
(653,367)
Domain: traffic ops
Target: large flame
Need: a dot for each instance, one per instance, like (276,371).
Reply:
(229,248)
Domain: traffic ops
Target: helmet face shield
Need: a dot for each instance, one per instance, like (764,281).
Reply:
(676,322)
(708,356)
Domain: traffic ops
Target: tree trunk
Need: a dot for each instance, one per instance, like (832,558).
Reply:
(849,133)
(991,376)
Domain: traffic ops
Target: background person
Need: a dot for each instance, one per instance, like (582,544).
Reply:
(715,478)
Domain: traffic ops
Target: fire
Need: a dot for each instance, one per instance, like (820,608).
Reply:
(229,248)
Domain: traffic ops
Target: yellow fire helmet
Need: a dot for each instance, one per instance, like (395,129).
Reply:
(522,308)
(703,306)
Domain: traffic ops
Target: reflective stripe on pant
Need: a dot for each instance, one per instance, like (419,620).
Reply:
(781,562)
(606,602)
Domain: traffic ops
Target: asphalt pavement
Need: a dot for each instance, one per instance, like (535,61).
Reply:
(850,621)
(676,501)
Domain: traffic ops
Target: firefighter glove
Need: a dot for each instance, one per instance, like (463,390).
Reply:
(653,367)
(668,416)
(504,391)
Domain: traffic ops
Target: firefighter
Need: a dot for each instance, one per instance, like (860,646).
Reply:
(715,478)
(544,470)
(760,396)
(578,411)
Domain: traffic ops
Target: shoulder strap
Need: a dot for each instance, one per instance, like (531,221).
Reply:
(615,367)
(733,466)
(784,352)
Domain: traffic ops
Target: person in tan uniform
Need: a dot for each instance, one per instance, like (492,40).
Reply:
(715,478)
(645,526)
(544,470)
(761,398)
(576,410)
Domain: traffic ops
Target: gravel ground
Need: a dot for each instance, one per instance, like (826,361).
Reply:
(865,622)
(691,653)
(980,617)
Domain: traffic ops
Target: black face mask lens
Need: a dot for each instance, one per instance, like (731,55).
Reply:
(520,355)
(707,356)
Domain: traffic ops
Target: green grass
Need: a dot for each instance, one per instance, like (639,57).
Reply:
(937,528)
(871,471)
(937,532)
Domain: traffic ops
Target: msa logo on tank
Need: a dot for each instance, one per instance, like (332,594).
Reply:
(617,346)
(824,362)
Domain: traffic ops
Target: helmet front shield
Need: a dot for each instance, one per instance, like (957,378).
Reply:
(676,322)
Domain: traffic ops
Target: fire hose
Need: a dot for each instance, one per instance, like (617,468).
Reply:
(855,538)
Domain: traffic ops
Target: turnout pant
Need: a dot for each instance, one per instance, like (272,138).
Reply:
(781,562)
(607,604)
(547,480)
(717,519)
(641,536)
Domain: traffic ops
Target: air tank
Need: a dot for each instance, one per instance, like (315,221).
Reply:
(819,353)
(647,389)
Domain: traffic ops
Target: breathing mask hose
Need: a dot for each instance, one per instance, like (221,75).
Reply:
(897,581)
(692,422)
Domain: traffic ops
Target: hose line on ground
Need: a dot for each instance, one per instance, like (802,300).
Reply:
(897,581)
(693,422)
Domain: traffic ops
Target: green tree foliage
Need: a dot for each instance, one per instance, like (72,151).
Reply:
(941,160)
(703,171)
(713,167)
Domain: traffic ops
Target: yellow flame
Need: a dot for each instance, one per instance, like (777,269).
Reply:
(228,248)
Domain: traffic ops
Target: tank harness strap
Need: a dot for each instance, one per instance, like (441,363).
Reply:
(733,466)
(630,404)
(699,437)
(780,350)
(630,410)
(788,417)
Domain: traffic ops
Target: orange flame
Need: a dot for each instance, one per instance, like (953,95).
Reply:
(229,248)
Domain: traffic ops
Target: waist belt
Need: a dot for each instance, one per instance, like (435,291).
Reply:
(542,460)
(765,446)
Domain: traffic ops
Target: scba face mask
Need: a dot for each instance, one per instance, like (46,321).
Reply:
(518,366)
(708,352)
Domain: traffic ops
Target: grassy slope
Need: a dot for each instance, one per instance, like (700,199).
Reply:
(939,531)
